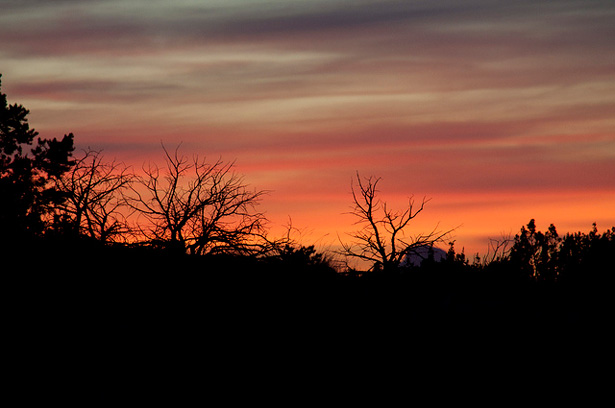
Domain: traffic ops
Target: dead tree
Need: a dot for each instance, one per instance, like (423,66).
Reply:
(94,190)
(197,207)
(384,239)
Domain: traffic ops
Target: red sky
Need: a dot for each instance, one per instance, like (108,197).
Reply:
(497,111)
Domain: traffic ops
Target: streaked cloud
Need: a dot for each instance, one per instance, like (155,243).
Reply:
(445,98)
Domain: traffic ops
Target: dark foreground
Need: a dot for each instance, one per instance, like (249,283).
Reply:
(116,318)
(129,291)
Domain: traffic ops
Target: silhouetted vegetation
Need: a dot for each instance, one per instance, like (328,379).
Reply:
(197,207)
(94,191)
(383,239)
(28,173)
(67,231)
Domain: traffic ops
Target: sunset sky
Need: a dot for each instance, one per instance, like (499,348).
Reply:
(498,111)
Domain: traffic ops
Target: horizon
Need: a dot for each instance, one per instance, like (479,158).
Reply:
(498,113)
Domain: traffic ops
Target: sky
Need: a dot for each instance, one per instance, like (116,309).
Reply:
(496,111)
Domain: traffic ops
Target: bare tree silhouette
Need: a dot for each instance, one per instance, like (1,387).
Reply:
(94,190)
(197,207)
(383,239)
